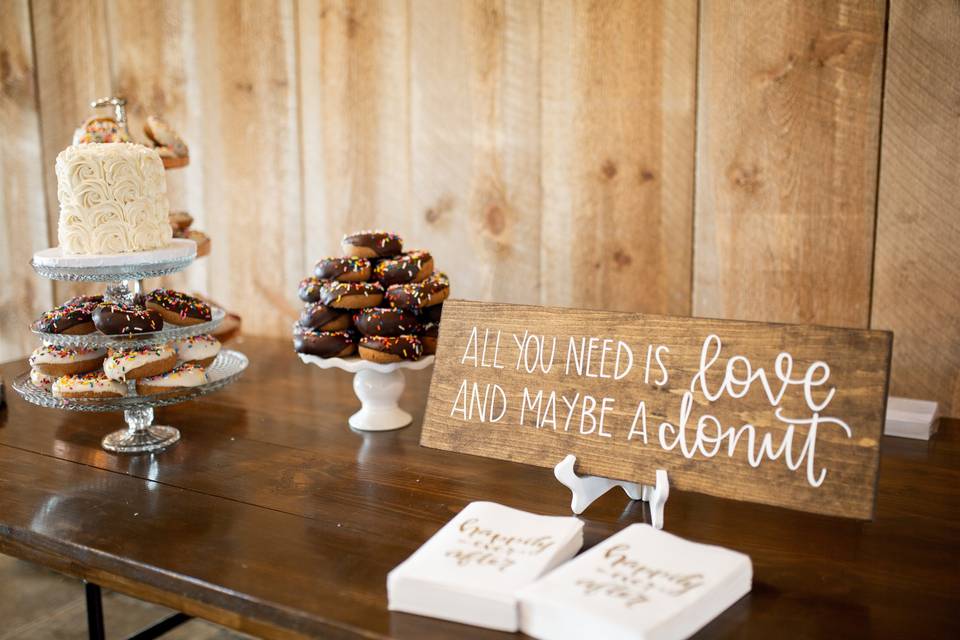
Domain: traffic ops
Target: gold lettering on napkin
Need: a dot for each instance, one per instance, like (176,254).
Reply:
(634,582)
(485,546)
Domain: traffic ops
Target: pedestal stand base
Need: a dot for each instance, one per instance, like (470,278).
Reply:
(379,393)
(372,420)
(153,438)
(141,435)
(378,387)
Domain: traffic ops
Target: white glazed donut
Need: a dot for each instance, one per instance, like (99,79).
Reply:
(163,135)
(63,361)
(131,364)
(202,349)
(41,379)
(184,376)
(88,385)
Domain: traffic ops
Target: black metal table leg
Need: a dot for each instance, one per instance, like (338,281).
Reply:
(155,631)
(95,627)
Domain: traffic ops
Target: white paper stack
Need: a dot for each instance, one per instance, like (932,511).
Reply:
(470,570)
(639,583)
(907,418)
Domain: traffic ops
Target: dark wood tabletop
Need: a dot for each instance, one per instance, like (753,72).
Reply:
(272,517)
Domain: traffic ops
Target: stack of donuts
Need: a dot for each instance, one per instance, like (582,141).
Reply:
(376,301)
(73,372)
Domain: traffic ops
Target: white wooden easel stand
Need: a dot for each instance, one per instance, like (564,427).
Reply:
(586,489)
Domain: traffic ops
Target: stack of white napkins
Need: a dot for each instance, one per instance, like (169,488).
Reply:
(639,583)
(470,570)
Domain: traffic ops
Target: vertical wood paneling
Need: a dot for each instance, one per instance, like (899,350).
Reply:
(73,67)
(475,144)
(23,217)
(247,134)
(917,264)
(354,110)
(617,154)
(542,151)
(152,46)
(787,148)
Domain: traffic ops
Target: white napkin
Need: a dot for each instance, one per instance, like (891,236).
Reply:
(471,569)
(638,584)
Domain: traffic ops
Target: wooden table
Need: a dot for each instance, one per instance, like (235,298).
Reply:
(272,517)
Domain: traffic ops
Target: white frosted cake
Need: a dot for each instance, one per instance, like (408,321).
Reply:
(113,199)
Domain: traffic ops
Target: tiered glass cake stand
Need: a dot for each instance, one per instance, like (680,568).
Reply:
(124,274)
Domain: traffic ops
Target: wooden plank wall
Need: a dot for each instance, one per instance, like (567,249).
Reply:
(23,225)
(917,264)
(475,128)
(618,113)
(73,67)
(788,137)
(708,158)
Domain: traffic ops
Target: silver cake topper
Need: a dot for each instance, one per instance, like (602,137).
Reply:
(119,108)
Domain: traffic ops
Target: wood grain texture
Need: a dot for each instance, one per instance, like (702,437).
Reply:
(543,151)
(553,400)
(475,144)
(285,522)
(23,216)
(917,270)
(354,82)
(247,134)
(73,67)
(153,49)
(617,157)
(787,148)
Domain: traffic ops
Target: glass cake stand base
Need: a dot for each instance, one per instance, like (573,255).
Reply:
(141,435)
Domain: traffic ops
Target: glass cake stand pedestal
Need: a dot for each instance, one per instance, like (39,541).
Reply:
(378,386)
(141,435)
(124,275)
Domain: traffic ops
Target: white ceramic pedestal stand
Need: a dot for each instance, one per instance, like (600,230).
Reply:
(378,386)
(586,489)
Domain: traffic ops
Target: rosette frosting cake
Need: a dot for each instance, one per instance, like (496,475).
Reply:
(113,199)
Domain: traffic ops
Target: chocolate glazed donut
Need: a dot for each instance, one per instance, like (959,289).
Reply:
(418,295)
(71,318)
(177,307)
(351,295)
(80,300)
(380,321)
(390,348)
(320,317)
(429,337)
(350,269)
(372,244)
(325,344)
(412,266)
(115,319)
(310,289)
(430,314)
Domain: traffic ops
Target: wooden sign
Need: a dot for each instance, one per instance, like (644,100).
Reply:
(777,414)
